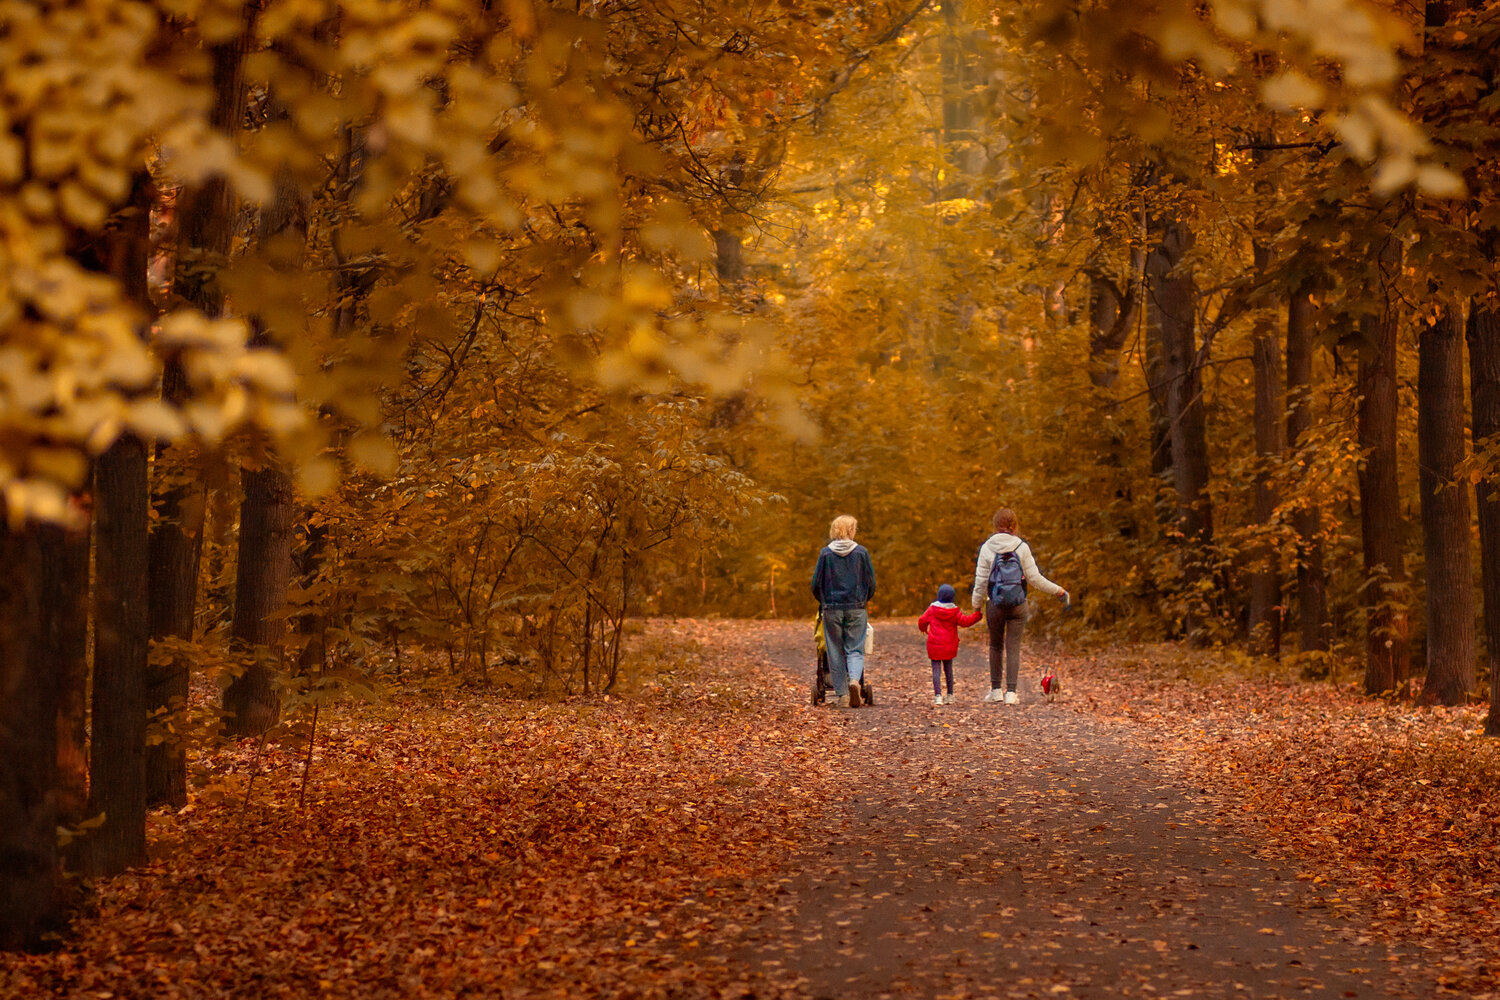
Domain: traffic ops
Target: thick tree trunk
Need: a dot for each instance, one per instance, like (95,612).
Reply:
(729,238)
(122,517)
(205,227)
(1172,300)
(267,522)
(206,214)
(312,625)
(1386,626)
(1445,511)
(1312,597)
(1156,408)
(729,257)
(175,554)
(31,901)
(64,654)
(1112,314)
(1106,330)
(1484,385)
(1265,577)
(117,751)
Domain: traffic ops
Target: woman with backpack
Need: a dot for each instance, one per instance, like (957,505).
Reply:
(1005,567)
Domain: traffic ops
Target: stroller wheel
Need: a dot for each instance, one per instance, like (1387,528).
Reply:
(817,690)
(866,693)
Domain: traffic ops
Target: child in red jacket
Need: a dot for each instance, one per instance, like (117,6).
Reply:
(941,622)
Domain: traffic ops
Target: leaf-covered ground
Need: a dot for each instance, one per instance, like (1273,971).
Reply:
(468,847)
(1152,833)
(1396,807)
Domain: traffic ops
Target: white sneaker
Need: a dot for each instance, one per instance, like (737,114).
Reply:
(1011,698)
(937,699)
(995,695)
(948,698)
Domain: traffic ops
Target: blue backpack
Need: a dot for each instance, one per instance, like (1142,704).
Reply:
(1007,580)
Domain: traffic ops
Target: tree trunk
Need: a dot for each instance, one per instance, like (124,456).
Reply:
(1112,313)
(1156,408)
(1112,316)
(1445,511)
(176,550)
(206,213)
(117,752)
(267,520)
(206,221)
(1386,626)
(1107,329)
(312,624)
(64,654)
(957,139)
(1312,597)
(31,901)
(1172,299)
(729,258)
(1265,577)
(1484,383)
(122,517)
(729,238)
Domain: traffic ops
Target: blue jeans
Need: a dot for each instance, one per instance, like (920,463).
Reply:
(844,636)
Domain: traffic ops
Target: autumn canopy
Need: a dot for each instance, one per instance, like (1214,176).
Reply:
(350,348)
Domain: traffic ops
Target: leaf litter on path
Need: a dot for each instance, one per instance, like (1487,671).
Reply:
(1041,850)
(713,836)
(468,847)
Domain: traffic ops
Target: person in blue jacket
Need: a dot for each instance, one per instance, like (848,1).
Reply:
(843,582)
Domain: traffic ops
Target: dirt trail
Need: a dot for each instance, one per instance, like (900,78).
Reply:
(684,843)
(1031,851)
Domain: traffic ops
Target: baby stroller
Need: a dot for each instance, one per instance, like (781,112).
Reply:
(820,683)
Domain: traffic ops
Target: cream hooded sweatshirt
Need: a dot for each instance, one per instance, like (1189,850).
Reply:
(1006,542)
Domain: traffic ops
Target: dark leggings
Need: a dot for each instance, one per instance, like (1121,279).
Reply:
(940,669)
(1006,626)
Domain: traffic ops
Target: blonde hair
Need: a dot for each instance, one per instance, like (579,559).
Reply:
(843,526)
(1005,520)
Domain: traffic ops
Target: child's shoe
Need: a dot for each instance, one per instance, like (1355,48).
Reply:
(995,695)
(937,699)
(1011,698)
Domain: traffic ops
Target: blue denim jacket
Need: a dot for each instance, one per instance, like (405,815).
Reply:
(844,581)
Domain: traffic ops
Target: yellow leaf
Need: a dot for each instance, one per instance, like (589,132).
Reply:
(318,476)
(374,452)
(1291,89)
(1439,182)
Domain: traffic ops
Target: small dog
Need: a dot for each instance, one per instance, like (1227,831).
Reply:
(1051,684)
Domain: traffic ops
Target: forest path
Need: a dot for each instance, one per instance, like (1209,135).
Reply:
(686,840)
(1030,851)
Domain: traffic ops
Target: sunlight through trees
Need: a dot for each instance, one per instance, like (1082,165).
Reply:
(350,344)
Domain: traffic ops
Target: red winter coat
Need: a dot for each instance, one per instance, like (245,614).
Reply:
(941,622)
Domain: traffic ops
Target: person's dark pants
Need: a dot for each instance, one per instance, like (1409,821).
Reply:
(1006,626)
(940,670)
